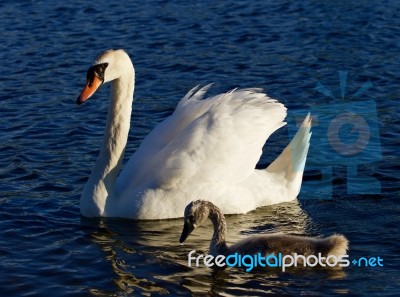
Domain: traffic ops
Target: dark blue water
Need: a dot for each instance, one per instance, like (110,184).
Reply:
(48,145)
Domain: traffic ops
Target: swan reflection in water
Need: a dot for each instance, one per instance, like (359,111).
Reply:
(146,256)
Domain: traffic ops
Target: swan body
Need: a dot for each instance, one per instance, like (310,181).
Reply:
(198,211)
(206,148)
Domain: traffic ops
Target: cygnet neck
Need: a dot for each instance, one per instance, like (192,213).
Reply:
(218,244)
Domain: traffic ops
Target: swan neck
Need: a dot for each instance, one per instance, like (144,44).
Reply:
(100,188)
(218,245)
(117,129)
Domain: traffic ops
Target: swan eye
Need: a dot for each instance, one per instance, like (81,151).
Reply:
(96,71)
(191,220)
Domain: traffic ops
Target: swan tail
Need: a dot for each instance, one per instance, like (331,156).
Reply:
(291,162)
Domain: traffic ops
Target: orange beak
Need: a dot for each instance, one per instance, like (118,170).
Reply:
(89,89)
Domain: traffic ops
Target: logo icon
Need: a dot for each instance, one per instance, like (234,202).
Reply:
(344,133)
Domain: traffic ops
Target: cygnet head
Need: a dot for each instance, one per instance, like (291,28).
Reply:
(196,213)
(108,66)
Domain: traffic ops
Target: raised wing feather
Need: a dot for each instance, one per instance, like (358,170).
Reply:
(205,140)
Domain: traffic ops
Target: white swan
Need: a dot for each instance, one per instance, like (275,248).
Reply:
(198,211)
(206,148)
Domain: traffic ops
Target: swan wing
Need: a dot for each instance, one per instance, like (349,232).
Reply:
(218,139)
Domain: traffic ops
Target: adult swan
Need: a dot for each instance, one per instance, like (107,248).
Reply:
(207,149)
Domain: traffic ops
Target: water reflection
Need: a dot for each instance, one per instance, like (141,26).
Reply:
(116,240)
(146,257)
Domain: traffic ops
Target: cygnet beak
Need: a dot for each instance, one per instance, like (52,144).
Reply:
(187,229)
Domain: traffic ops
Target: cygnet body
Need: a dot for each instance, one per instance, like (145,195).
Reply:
(198,211)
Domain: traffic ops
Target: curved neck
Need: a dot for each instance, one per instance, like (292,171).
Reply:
(101,184)
(217,245)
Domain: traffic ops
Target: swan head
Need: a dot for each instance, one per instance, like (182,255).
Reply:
(196,213)
(109,66)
